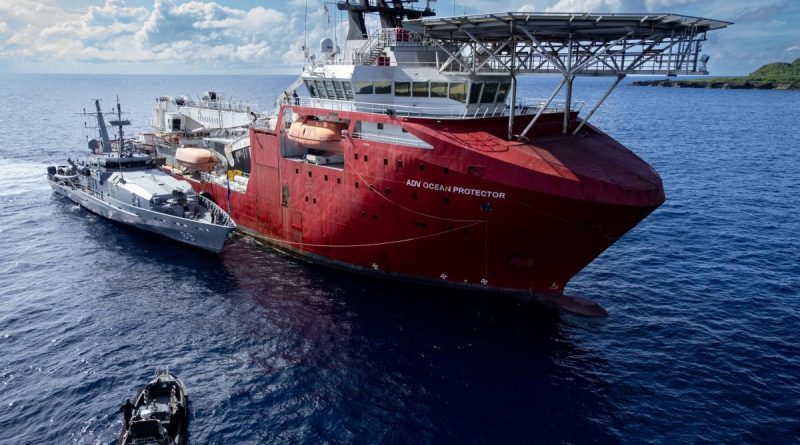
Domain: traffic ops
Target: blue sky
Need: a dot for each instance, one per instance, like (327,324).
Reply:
(256,37)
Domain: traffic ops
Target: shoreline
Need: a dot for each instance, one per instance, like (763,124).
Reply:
(722,83)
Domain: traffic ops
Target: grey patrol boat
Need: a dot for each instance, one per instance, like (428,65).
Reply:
(130,188)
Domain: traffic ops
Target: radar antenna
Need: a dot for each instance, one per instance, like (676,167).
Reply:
(102,127)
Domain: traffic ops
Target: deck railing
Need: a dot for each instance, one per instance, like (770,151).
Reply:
(524,106)
(396,140)
(218,216)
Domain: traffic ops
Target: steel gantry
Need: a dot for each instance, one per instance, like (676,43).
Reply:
(569,45)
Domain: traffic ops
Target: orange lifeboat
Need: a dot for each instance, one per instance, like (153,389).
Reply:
(199,159)
(320,135)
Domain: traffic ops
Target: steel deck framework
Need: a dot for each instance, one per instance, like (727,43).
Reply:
(570,45)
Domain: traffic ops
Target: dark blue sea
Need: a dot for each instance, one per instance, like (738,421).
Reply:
(702,344)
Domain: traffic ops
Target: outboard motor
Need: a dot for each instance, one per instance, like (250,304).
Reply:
(51,171)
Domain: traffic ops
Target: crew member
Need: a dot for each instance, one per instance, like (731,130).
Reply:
(127,411)
(179,416)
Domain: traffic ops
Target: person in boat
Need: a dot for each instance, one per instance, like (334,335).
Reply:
(180,415)
(295,97)
(127,411)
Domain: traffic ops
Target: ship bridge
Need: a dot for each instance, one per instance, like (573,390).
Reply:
(467,66)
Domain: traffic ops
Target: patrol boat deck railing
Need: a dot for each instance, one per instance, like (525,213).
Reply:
(218,216)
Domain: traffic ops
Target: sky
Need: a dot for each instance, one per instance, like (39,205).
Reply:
(264,37)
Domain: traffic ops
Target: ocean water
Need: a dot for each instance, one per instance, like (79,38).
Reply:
(701,345)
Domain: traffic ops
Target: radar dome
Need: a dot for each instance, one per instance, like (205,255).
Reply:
(94,145)
(326,45)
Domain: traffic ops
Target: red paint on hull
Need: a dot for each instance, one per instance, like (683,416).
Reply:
(553,204)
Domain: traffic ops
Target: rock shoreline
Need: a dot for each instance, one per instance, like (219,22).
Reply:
(736,84)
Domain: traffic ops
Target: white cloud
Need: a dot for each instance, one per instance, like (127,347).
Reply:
(190,34)
(220,35)
(598,6)
(659,5)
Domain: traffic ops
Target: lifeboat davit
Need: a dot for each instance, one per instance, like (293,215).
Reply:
(198,159)
(320,135)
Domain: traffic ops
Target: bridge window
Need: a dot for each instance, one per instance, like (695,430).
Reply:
(475,92)
(438,89)
(339,90)
(489,91)
(420,89)
(329,88)
(458,91)
(364,88)
(348,90)
(312,89)
(402,89)
(383,87)
(320,89)
(503,92)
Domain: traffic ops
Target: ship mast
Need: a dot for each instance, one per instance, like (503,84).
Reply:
(102,127)
(119,123)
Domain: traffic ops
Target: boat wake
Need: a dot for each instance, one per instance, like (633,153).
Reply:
(20,178)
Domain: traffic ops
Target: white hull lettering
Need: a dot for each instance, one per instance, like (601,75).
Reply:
(455,189)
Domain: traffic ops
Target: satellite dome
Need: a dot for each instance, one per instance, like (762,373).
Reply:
(326,45)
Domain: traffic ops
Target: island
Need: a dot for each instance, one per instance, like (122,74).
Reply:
(772,76)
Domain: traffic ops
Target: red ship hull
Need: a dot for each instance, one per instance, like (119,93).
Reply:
(476,211)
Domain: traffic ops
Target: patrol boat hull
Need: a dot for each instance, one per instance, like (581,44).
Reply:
(197,234)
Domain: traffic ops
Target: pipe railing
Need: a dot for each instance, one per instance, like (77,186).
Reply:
(523,107)
(218,216)
(407,141)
